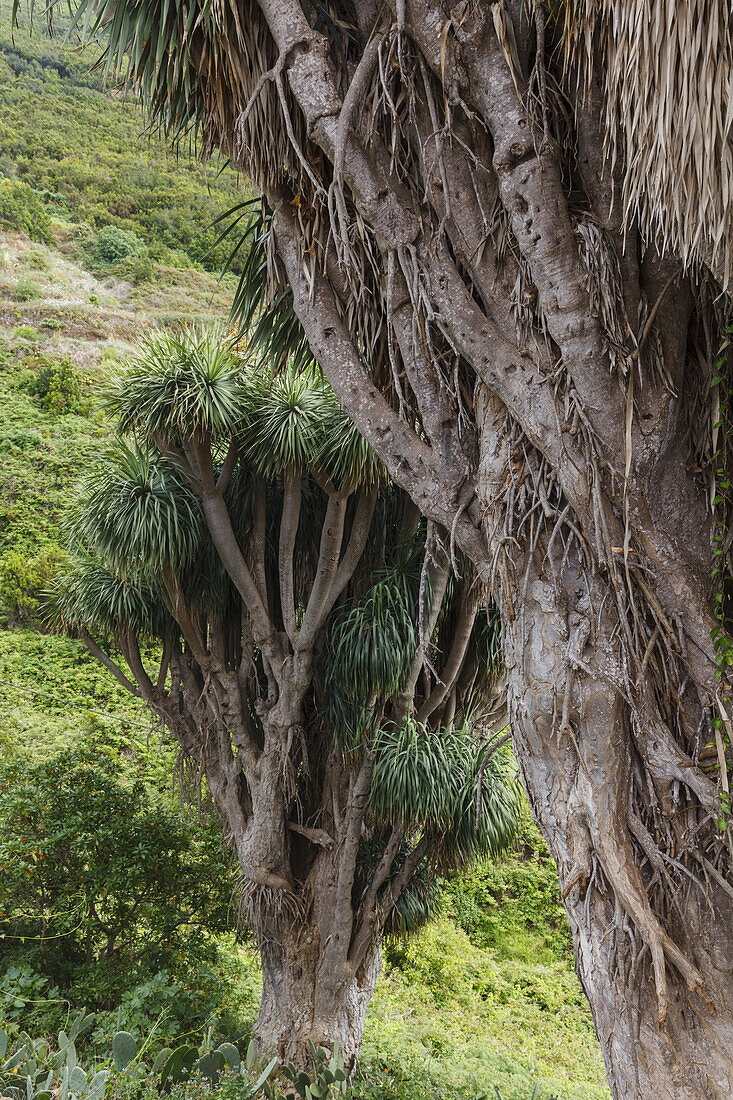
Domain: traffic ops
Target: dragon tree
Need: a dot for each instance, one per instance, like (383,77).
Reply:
(505,230)
(324,659)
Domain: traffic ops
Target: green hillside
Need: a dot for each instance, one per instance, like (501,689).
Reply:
(104,234)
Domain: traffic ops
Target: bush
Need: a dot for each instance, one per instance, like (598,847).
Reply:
(138,269)
(21,208)
(58,388)
(113,245)
(505,905)
(91,866)
(35,259)
(26,290)
(22,578)
(25,332)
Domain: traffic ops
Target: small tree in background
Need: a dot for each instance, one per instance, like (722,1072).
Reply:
(326,663)
(102,889)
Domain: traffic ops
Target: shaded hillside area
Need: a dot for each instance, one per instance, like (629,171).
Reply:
(103,235)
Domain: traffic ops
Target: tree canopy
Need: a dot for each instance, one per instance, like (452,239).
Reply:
(326,660)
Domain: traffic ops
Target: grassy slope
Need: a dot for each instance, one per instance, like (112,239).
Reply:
(486,995)
(88,153)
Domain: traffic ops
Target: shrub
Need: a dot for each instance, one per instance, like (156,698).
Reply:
(91,868)
(505,904)
(113,245)
(21,208)
(58,388)
(26,290)
(24,578)
(35,259)
(138,268)
(25,332)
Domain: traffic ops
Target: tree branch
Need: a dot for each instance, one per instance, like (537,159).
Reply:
(408,459)
(98,653)
(454,664)
(365,506)
(288,533)
(438,572)
(332,535)
(319,837)
(220,527)
(228,467)
(135,661)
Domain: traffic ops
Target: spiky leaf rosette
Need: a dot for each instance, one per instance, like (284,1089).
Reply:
(272,328)
(184,383)
(90,596)
(283,430)
(294,423)
(370,649)
(499,806)
(413,776)
(138,513)
(345,457)
(430,778)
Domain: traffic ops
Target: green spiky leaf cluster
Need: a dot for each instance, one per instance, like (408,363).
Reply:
(138,514)
(499,807)
(284,425)
(181,383)
(416,771)
(370,649)
(418,903)
(430,777)
(270,322)
(90,596)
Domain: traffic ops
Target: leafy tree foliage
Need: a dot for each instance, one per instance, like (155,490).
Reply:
(102,887)
(323,665)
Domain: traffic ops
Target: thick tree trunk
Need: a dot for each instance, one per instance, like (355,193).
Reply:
(301,1004)
(628,817)
(579,785)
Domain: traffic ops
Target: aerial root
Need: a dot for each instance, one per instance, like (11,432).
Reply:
(636,904)
(275,900)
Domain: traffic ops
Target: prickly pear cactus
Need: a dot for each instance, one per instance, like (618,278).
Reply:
(179,1066)
(231,1055)
(124,1049)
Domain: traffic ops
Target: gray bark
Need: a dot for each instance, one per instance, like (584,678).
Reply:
(302,1004)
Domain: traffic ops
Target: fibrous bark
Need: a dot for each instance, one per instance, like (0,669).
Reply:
(539,372)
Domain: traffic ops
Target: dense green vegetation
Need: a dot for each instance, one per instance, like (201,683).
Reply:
(73,150)
(487,995)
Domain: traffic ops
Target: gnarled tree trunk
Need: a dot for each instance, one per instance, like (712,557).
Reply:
(302,1004)
(627,812)
(535,363)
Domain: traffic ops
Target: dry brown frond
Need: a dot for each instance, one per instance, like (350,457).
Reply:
(667,77)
